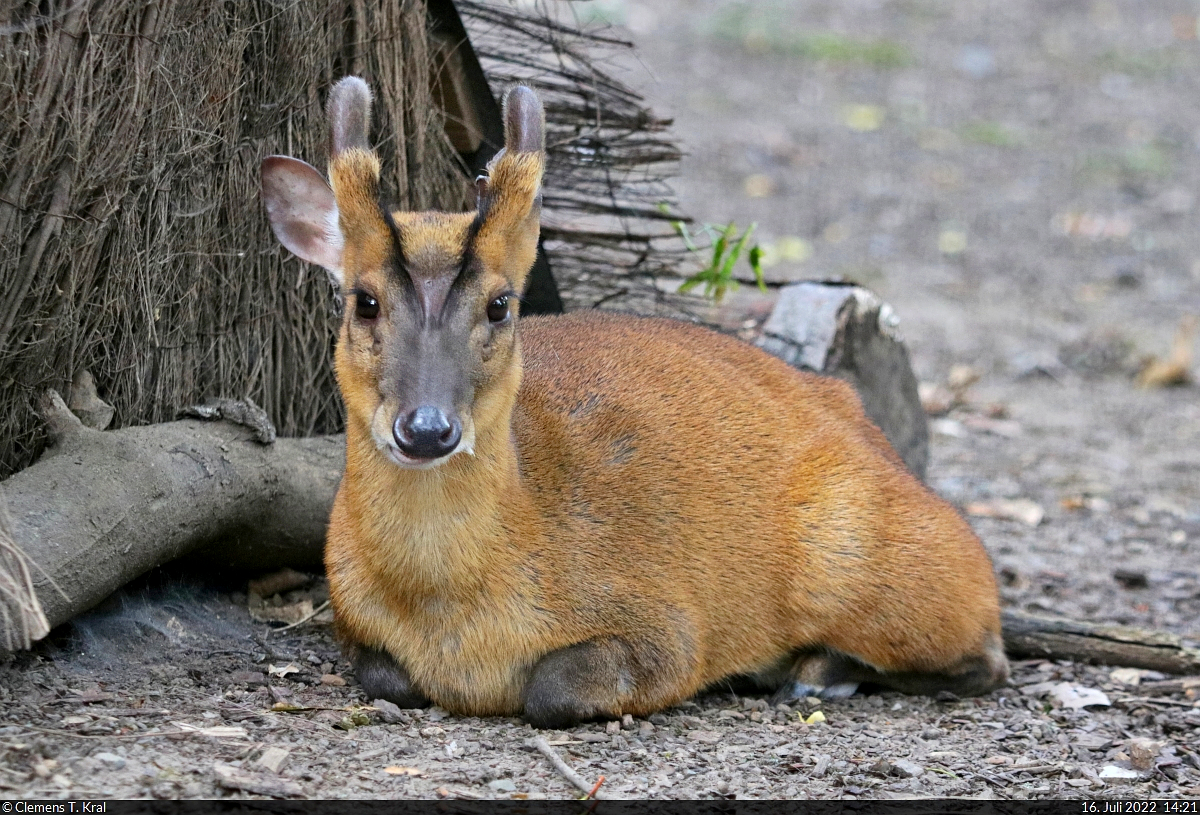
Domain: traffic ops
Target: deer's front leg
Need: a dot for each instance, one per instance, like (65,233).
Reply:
(382,677)
(602,679)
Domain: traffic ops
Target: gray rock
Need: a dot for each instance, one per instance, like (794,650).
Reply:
(503,785)
(390,713)
(849,332)
(110,760)
(906,769)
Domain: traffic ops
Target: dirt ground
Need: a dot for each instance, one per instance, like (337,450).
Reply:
(1019,180)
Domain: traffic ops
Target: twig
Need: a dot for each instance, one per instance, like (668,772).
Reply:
(303,619)
(1149,700)
(1038,769)
(50,731)
(566,772)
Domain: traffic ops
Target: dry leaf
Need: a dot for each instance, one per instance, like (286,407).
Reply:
(1076,697)
(282,671)
(293,613)
(1020,509)
(287,707)
(960,378)
(398,770)
(1177,368)
(278,582)
(758,186)
(936,399)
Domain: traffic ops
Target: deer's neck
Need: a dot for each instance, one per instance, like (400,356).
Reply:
(437,529)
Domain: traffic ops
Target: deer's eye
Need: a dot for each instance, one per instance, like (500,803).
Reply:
(366,307)
(497,310)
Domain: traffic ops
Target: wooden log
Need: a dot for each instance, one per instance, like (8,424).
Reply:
(1031,635)
(847,331)
(101,508)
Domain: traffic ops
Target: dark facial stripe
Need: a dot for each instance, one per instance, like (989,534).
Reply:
(467,270)
(400,267)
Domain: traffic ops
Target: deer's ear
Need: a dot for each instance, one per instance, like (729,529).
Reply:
(303,212)
(510,197)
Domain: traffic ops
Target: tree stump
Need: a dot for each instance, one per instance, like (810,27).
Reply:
(846,331)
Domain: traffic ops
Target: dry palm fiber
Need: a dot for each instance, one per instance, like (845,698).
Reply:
(607,205)
(132,239)
(134,242)
(22,620)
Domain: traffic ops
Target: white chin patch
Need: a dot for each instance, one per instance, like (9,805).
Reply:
(389,448)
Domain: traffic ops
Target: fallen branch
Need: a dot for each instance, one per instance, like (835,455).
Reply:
(21,617)
(1031,635)
(565,770)
(235,778)
(101,508)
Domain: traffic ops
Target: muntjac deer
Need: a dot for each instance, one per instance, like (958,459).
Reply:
(590,515)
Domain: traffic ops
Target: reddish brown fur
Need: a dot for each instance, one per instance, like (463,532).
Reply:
(634,481)
(661,466)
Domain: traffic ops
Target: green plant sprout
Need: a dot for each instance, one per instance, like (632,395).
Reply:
(726,247)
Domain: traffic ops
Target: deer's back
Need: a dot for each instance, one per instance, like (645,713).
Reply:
(687,466)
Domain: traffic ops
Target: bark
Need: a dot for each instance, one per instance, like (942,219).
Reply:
(101,508)
(1029,635)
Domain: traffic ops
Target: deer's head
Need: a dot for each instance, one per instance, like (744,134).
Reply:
(427,356)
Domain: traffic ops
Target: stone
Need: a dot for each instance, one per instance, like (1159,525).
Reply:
(273,757)
(110,760)
(846,331)
(1143,752)
(390,712)
(906,769)
(1113,773)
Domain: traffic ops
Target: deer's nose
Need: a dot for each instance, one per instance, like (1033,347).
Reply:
(427,433)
